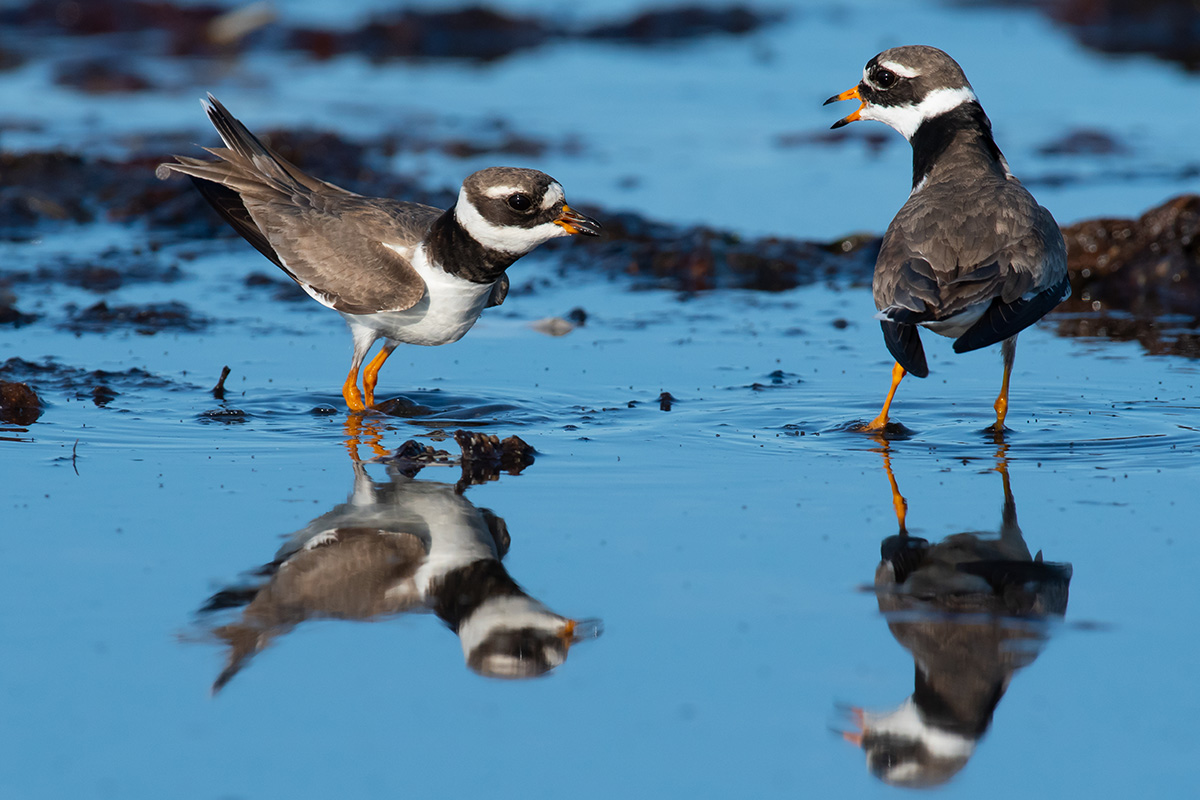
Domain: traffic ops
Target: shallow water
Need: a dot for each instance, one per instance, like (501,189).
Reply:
(726,544)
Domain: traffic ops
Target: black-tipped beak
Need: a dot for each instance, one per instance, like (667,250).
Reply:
(849,94)
(577,224)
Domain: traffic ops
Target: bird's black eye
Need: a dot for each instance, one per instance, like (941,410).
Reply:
(519,202)
(884,78)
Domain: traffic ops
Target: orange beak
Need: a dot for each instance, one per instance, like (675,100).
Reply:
(849,94)
(575,630)
(856,715)
(578,224)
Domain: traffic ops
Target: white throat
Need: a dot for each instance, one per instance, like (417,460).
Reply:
(509,239)
(906,119)
(906,721)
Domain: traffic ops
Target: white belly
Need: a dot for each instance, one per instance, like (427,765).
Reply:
(444,314)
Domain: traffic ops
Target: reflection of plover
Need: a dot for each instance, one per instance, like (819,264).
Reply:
(972,611)
(398,546)
(970,255)
(401,272)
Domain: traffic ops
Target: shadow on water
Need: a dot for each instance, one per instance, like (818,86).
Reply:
(402,545)
(972,609)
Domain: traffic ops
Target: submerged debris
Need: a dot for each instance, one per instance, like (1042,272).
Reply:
(474,33)
(1085,142)
(95,385)
(9,314)
(488,454)
(684,22)
(1146,269)
(218,391)
(102,272)
(147,319)
(702,258)
(484,34)
(1148,266)
(100,76)
(1163,28)
(412,456)
(19,404)
(484,457)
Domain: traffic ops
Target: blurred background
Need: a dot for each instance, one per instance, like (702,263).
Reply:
(696,482)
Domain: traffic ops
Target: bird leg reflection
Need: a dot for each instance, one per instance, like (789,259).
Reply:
(361,430)
(898,502)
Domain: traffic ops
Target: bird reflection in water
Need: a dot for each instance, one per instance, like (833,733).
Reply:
(972,609)
(401,545)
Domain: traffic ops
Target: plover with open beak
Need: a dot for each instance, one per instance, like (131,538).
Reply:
(398,271)
(971,255)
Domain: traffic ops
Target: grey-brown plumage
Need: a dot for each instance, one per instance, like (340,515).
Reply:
(399,546)
(400,271)
(972,609)
(325,238)
(971,255)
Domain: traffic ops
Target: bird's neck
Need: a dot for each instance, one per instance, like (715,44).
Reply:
(967,130)
(459,253)
(459,593)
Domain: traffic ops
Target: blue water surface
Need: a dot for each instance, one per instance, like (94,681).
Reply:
(727,544)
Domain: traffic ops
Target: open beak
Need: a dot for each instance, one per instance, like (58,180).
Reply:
(849,94)
(855,737)
(575,630)
(578,224)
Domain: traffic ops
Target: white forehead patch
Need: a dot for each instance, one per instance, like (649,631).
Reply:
(510,239)
(554,194)
(906,119)
(496,192)
(899,69)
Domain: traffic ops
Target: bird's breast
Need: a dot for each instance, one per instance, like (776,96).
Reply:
(444,314)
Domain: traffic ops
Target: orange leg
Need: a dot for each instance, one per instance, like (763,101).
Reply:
(1001,404)
(898,502)
(1009,351)
(350,392)
(371,373)
(880,422)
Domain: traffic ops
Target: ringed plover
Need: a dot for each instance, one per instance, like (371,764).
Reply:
(971,255)
(398,271)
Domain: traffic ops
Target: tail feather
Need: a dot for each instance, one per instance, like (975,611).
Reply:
(236,136)
(272,166)
(904,343)
(1002,320)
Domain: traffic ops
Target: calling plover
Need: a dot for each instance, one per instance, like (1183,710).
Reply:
(970,255)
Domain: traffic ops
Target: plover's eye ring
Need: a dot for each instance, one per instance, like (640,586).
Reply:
(884,78)
(519,202)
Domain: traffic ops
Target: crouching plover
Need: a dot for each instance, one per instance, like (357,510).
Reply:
(397,271)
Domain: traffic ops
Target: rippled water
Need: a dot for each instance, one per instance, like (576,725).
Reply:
(728,545)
